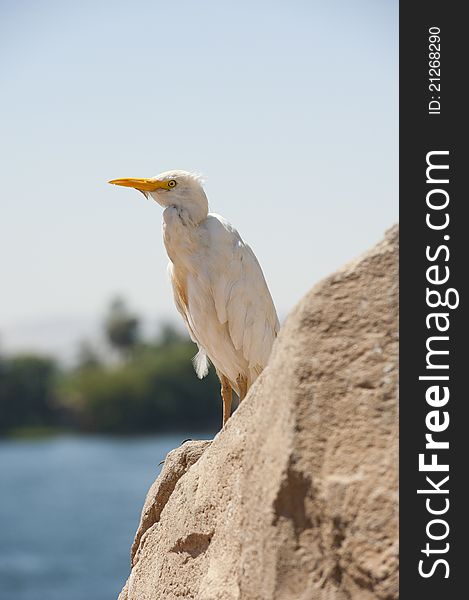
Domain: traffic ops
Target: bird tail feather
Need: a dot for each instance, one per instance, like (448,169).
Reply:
(200,362)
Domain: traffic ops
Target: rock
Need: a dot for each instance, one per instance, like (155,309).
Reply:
(296,499)
(176,464)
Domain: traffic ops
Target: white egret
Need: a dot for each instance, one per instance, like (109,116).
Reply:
(218,284)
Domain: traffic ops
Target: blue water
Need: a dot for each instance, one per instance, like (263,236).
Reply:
(69,507)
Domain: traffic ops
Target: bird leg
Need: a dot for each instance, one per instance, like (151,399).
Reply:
(243,387)
(226,396)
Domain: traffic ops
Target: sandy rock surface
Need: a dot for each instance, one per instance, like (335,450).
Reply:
(296,499)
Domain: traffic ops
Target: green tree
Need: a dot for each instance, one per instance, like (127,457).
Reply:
(170,335)
(26,392)
(122,327)
(155,390)
(88,357)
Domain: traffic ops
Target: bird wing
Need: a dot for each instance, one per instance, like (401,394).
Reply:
(181,300)
(242,298)
(178,282)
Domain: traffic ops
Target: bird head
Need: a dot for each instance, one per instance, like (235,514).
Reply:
(173,188)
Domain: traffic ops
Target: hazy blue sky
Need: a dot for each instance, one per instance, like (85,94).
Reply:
(288,108)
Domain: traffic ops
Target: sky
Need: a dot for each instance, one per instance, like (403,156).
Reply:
(288,108)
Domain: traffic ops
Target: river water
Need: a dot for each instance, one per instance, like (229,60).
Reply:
(69,507)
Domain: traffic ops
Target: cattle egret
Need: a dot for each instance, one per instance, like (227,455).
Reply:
(218,284)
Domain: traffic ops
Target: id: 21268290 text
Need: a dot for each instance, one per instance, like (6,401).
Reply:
(434,70)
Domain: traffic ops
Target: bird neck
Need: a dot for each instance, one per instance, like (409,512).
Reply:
(193,209)
(181,237)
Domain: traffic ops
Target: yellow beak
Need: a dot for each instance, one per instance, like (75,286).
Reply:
(144,185)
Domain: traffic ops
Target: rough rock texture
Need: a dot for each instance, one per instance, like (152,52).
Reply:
(296,499)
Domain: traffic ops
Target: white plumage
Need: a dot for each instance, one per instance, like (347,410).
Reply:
(218,284)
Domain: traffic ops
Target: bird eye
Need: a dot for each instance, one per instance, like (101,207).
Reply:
(172,183)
